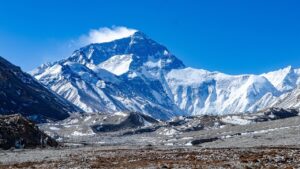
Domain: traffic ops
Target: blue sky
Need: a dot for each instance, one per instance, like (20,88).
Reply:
(236,36)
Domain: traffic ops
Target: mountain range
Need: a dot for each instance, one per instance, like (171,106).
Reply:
(138,74)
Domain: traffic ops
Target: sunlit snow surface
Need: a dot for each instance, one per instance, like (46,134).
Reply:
(118,64)
(284,79)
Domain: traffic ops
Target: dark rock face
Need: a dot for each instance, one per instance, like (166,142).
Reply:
(280,113)
(205,140)
(195,123)
(276,113)
(133,120)
(18,132)
(142,130)
(21,93)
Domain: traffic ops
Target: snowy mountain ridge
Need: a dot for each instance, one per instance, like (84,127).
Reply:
(138,74)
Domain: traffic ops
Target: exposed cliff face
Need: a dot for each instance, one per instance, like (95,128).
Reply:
(17,132)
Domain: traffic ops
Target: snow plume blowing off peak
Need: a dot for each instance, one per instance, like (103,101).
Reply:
(106,34)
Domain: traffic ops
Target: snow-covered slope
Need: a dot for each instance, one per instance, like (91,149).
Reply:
(284,79)
(138,74)
(202,92)
(118,64)
(289,100)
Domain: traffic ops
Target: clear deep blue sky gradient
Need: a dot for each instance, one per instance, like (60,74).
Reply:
(232,36)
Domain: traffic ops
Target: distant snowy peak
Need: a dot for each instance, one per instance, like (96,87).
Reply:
(135,55)
(135,52)
(284,79)
(202,92)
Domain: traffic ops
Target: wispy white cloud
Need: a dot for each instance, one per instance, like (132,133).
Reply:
(63,49)
(106,34)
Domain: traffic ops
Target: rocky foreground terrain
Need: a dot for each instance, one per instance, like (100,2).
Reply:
(18,132)
(153,157)
(266,139)
(268,128)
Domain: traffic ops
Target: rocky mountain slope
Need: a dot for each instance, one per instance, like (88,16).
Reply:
(138,74)
(289,100)
(18,132)
(21,93)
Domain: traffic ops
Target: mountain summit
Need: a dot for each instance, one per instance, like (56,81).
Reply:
(122,75)
(136,73)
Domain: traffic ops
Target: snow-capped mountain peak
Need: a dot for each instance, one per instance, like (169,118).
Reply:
(122,75)
(136,50)
(135,73)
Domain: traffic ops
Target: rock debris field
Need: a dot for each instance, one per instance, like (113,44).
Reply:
(152,157)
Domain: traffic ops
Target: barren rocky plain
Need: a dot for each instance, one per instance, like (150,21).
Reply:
(269,144)
(153,157)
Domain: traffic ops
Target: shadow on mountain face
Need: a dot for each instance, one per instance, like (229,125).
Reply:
(21,93)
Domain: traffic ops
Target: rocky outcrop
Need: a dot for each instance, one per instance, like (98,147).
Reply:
(132,120)
(18,132)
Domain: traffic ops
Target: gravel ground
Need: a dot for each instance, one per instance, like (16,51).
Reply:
(153,157)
